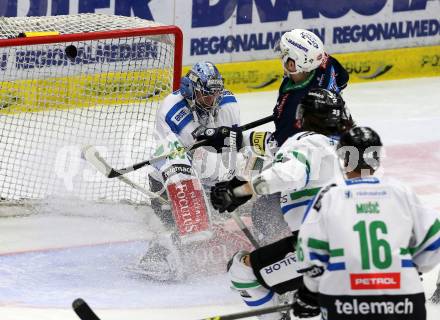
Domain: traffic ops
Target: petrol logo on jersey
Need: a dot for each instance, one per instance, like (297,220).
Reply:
(374,281)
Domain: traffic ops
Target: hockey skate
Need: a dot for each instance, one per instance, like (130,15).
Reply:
(162,261)
(435,299)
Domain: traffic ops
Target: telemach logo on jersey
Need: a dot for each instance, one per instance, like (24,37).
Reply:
(374,281)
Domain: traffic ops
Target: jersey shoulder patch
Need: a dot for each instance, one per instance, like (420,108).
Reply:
(179,116)
(228,98)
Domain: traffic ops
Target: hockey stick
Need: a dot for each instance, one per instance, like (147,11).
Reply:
(83,310)
(245,229)
(252,313)
(94,157)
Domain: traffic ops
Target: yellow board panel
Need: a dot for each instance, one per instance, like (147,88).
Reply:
(266,75)
(83,91)
(131,87)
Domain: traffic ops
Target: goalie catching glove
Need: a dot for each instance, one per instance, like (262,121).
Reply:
(222,137)
(223,197)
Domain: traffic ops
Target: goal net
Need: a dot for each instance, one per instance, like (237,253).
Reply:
(70,81)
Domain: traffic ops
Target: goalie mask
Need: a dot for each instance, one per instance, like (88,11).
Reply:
(203,87)
(324,111)
(303,47)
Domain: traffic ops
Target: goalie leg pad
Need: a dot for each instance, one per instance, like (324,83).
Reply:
(251,291)
(188,203)
(190,210)
(275,265)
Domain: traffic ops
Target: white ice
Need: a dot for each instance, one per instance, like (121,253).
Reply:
(73,250)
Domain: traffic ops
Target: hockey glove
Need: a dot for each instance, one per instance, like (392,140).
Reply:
(305,303)
(223,197)
(222,137)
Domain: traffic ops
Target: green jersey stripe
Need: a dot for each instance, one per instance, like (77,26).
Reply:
(302,158)
(290,85)
(324,245)
(318,244)
(304,193)
(240,285)
(433,230)
(336,252)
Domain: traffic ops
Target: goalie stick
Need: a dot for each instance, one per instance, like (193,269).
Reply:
(94,157)
(84,312)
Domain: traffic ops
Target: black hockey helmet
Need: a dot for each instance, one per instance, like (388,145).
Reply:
(360,148)
(324,111)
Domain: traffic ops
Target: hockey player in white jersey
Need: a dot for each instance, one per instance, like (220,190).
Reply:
(304,163)
(364,241)
(201,102)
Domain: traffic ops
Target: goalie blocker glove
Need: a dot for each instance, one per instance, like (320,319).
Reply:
(222,137)
(223,197)
(305,303)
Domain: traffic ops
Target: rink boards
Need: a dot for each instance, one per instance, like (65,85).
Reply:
(265,75)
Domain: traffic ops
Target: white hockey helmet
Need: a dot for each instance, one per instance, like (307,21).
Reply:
(303,47)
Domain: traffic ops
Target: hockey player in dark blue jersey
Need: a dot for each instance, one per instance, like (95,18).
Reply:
(306,66)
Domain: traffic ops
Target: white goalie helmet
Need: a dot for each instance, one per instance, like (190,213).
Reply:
(303,47)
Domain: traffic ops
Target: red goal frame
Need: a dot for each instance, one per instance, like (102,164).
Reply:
(112,34)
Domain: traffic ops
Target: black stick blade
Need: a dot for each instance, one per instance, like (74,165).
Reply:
(83,310)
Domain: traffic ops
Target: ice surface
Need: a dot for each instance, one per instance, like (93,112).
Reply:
(73,250)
